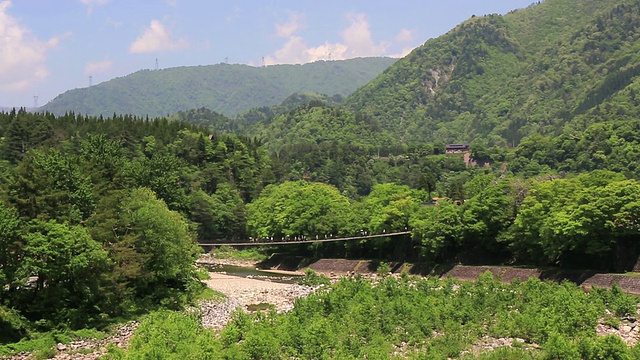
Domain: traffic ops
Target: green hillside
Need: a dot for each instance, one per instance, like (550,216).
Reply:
(243,122)
(319,123)
(557,66)
(224,88)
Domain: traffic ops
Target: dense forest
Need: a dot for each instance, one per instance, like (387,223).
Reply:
(100,216)
(226,88)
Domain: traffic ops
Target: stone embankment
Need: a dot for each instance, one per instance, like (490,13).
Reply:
(585,279)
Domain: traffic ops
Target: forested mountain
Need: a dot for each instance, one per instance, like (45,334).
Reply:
(224,88)
(556,65)
(552,69)
(318,123)
(243,123)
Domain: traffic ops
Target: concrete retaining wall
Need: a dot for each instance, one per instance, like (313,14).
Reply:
(586,279)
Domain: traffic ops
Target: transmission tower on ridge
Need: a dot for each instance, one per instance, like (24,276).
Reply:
(263,65)
(156,63)
(90,80)
(35,101)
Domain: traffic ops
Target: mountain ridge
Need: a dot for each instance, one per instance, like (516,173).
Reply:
(225,88)
(503,77)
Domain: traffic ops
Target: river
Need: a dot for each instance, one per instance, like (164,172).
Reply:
(253,273)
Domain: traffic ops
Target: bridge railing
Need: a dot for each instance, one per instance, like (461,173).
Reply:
(303,240)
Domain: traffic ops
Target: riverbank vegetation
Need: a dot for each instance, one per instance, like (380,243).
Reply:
(253,254)
(406,318)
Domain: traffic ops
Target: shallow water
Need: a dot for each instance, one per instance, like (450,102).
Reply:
(253,273)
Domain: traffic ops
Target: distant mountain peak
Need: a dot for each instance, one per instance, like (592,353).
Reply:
(225,88)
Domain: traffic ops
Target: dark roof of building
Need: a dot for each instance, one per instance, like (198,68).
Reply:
(457,146)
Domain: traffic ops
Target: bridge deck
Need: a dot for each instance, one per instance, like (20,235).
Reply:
(262,243)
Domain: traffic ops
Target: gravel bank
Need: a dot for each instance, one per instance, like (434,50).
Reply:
(242,292)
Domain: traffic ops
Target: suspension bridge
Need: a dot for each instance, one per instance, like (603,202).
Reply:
(304,241)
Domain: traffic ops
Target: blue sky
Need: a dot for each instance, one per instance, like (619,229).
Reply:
(50,46)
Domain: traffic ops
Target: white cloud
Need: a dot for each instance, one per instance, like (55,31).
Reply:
(357,38)
(356,41)
(288,29)
(157,38)
(97,66)
(91,3)
(94,2)
(172,3)
(405,51)
(115,23)
(22,56)
(405,35)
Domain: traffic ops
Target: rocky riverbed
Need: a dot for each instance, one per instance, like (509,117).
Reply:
(243,293)
(89,349)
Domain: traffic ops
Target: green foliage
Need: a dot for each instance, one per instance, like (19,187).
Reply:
(224,88)
(384,269)
(41,345)
(10,246)
(81,244)
(502,78)
(314,124)
(438,227)
(209,295)
(170,335)
(389,206)
(562,217)
(423,318)
(110,197)
(161,238)
(24,132)
(50,185)
(558,347)
(256,254)
(66,263)
(13,326)
(607,347)
(312,278)
(298,208)
(617,301)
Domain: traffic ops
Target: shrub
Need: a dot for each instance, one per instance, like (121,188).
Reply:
(312,278)
(383,269)
(558,347)
(13,327)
